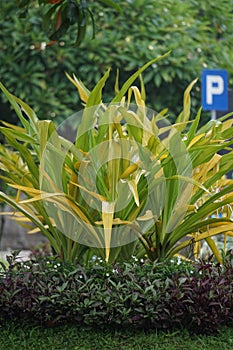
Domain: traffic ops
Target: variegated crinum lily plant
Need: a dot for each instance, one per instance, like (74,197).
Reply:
(129,183)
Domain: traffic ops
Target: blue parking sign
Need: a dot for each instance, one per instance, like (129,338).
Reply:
(214,85)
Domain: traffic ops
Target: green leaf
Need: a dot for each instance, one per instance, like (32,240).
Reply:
(112,4)
(29,214)
(185,114)
(193,128)
(24,152)
(89,116)
(95,96)
(130,81)
(15,105)
(21,136)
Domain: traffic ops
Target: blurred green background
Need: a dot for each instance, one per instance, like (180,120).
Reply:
(199,33)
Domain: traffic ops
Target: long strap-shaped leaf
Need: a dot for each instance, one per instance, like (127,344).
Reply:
(130,81)
(30,215)
(16,103)
(23,151)
(107,216)
(185,114)
(205,235)
(89,117)
(193,222)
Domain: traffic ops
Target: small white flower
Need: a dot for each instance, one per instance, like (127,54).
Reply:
(43,45)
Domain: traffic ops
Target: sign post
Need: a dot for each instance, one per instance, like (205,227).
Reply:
(214,84)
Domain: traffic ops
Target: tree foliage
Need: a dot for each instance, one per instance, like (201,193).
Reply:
(199,33)
(59,15)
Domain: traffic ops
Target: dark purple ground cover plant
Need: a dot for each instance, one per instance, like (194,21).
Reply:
(174,294)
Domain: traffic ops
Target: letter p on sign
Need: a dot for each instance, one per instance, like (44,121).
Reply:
(214,90)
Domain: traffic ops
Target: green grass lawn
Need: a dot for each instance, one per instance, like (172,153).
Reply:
(15,337)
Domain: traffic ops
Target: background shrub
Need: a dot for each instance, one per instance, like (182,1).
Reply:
(198,33)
